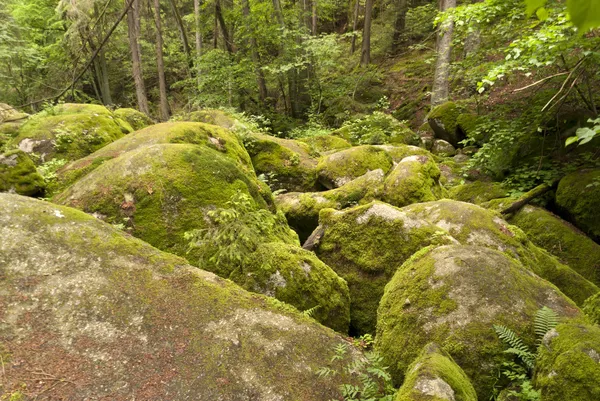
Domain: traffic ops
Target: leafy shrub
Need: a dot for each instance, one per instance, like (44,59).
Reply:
(376,129)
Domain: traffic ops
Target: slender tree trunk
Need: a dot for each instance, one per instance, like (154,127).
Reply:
(260,76)
(365,55)
(162,82)
(133,18)
(399,24)
(278,13)
(355,25)
(441,84)
(224,31)
(198,28)
(314,18)
(181,28)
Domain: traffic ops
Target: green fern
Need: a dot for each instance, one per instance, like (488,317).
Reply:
(545,320)
(516,345)
(310,312)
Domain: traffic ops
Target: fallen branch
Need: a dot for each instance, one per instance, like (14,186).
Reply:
(540,81)
(529,196)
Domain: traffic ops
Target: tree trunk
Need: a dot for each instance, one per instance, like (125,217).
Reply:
(198,28)
(314,18)
(279,13)
(133,18)
(181,28)
(224,31)
(355,26)
(441,85)
(365,55)
(260,76)
(162,82)
(399,24)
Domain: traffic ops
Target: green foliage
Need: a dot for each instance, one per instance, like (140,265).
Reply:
(545,320)
(585,134)
(516,346)
(233,233)
(376,129)
(585,14)
(375,383)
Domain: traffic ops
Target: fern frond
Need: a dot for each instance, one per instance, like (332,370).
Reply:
(310,312)
(527,357)
(545,320)
(516,345)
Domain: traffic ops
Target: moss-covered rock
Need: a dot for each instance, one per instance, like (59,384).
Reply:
(324,144)
(414,179)
(591,307)
(453,295)
(342,167)
(77,293)
(286,163)
(399,152)
(443,121)
(434,376)
(212,116)
(10,114)
(302,208)
(365,245)
(577,198)
(211,136)
(136,119)
(451,173)
(161,191)
(477,192)
(377,129)
(18,174)
(442,148)
(69,131)
(474,225)
(561,239)
(297,277)
(568,365)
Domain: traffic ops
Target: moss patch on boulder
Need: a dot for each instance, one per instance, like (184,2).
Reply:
(434,376)
(91,293)
(568,366)
(297,277)
(443,120)
(561,239)
(399,152)
(577,198)
(377,129)
(342,167)
(211,116)
(365,245)
(19,175)
(136,119)
(474,225)
(324,144)
(159,192)
(69,131)
(453,295)
(591,307)
(415,179)
(477,192)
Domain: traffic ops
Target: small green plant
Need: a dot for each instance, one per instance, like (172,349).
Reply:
(375,383)
(311,311)
(585,134)
(365,341)
(48,170)
(519,373)
(376,129)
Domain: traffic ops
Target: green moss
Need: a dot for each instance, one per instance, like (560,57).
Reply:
(326,143)
(342,167)
(561,239)
(568,366)
(212,116)
(365,245)
(377,129)
(18,174)
(591,307)
(467,123)
(399,152)
(69,131)
(297,277)
(136,119)
(443,121)
(161,191)
(415,179)
(432,367)
(577,197)
(453,295)
(473,225)
(477,192)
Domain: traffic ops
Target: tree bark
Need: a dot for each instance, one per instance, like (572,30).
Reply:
(162,82)
(355,26)
(182,33)
(224,31)
(133,18)
(314,18)
(441,84)
(198,28)
(365,55)
(260,76)
(399,24)
(279,13)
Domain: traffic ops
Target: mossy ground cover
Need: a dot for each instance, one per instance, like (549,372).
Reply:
(136,119)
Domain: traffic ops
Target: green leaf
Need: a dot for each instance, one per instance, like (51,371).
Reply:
(571,140)
(542,14)
(534,5)
(585,14)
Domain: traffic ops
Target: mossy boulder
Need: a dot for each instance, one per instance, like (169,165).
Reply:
(10,114)
(69,131)
(577,198)
(212,116)
(344,166)
(297,277)
(19,175)
(136,119)
(285,163)
(434,376)
(477,192)
(377,129)
(568,365)
(443,120)
(161,191)
(453,295)
(474,225)
(443,148)
(561,239)
(324,144)
(302,208)
(414,179)
(399,152)
(211,136)
(365,245)
(591,307)
(77,293)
